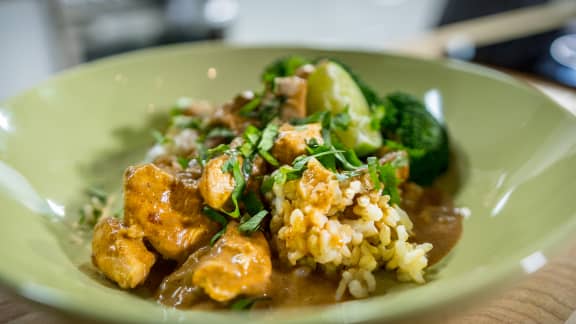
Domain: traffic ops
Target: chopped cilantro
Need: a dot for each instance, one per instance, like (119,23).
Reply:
(387,175)
(233,165)
(244,303)
(183,121)
(253,223)
(184,162)
(217,236)
(210,153)
(159,137)
(252,135)
(218,218)
(342,120)
(266,142)
(250,106)
(268,136)
(373,171)
(220,132)
(215,215)
(253,203)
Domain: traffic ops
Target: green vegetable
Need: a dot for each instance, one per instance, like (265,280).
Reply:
(411,127)
(373,171)
(215,215)
(282,67)
(183,121)
(218,218)
(266,142)
(233,165)
(331,88)
(253,223)
(220,132)
(159,137)
(221,148)
(253,203)
(387,175)
(263,109)
(245,303)
(184,162)
(217,236)
(250,106)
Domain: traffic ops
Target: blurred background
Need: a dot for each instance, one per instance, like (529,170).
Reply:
(38,38)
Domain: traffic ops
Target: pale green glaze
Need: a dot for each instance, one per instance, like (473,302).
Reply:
(516,154)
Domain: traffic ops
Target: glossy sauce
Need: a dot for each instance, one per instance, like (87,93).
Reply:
(435,221)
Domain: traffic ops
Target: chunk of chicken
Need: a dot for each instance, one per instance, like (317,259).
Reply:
(216,186)
(294,89)
(119,252)
(178,289)
(227,115)
(168,209)
(236,265)
(292,141)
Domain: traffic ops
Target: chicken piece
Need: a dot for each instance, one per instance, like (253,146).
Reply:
(294,89)
(259,169)
(177,289)
(227,115)
(168,209)
(236,265)
(216,186)
(292,141)
(119,252)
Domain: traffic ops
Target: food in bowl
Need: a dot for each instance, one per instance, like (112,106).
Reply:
(299,194)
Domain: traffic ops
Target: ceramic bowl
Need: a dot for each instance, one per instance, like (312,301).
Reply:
(514,156)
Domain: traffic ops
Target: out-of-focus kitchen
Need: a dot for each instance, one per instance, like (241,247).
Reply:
(40,38)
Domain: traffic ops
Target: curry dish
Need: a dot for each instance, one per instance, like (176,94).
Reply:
(301,193)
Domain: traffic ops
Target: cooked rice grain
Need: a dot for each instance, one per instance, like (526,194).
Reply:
(344,227)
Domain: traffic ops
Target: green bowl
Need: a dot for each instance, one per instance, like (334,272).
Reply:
(515,152)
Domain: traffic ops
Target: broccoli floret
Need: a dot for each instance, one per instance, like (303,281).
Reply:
(408,123)
(282,67)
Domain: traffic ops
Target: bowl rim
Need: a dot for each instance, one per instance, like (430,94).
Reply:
(353,311)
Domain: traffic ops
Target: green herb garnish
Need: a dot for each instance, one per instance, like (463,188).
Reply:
(215,215)
(224,132)
(218,218)
(184,162)
(373,171)
(250,106)
(253,223)
(159,137)
(253,203)
(233,165)
(217,236)
(245,303)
